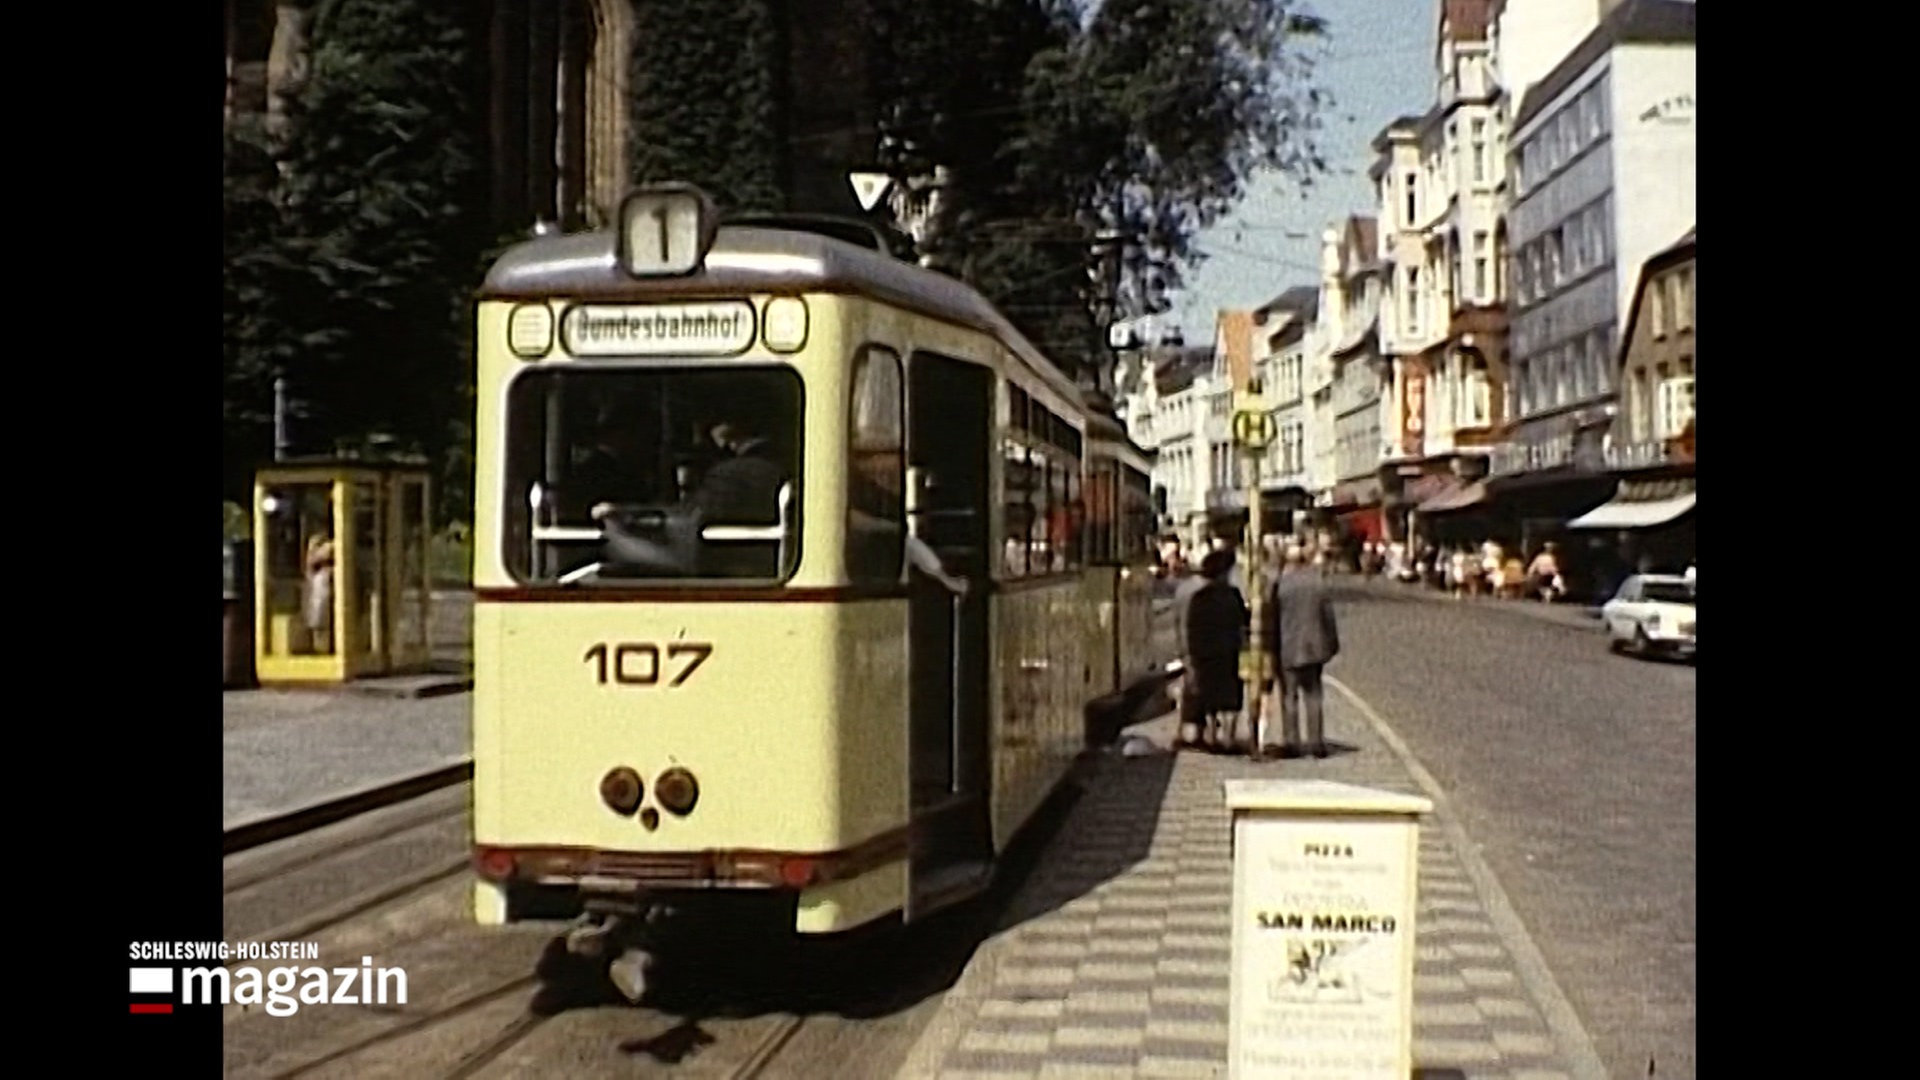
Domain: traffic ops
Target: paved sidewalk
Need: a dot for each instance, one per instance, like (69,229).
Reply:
(286,751)
(1113,959)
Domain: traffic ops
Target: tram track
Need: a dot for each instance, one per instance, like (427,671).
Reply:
(414,917)
(296,875)
(256,834)
(357,905)
(768,1048)
(471,1063)
(399,829)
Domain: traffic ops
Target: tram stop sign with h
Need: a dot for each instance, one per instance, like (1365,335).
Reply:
(1254,429)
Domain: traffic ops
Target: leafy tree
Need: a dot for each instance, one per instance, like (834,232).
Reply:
(256,340)
(707,104)
(383,211)
(1145,119)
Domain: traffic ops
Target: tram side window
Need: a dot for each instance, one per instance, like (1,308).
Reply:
(1058,541)
(1017,477)
(1099,497)
(1139,520)
(661,473)
(1074,518)
(1043,551)
(876,501)
(1046,467)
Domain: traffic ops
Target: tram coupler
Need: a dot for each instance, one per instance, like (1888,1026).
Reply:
(613,924)
(592,935)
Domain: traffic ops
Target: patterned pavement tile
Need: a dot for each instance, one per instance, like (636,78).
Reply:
(1117,960)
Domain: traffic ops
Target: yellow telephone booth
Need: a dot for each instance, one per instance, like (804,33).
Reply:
(342,586)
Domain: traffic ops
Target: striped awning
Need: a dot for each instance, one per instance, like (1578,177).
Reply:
(1633,514)
(1640,506)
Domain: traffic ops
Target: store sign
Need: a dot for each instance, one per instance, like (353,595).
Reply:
(1676,110)
(1413,411)
(1325,881)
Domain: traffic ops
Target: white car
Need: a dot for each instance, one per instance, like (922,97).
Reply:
(1652,613)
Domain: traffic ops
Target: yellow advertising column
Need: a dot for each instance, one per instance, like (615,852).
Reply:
(1325,882)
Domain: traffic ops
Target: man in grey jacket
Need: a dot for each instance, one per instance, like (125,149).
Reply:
(1301,632)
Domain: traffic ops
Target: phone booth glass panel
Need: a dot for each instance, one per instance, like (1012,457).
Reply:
(411,586)
(341,577)
(366,613)
(295,570)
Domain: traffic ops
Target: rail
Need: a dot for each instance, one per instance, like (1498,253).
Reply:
(259,833)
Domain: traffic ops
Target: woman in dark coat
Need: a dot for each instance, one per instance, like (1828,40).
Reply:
(1217,623)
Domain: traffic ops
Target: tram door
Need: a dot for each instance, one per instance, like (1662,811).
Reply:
(949,423)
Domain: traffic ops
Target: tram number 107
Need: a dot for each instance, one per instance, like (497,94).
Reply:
(639,663)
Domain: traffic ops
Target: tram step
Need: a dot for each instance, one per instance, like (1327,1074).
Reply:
(950,884)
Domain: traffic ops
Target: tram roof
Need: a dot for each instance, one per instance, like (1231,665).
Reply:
(747,259)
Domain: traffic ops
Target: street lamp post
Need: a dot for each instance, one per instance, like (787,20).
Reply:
(281,441)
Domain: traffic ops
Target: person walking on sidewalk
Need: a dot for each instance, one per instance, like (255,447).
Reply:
(1216,619)
(1303,635)
(1191,718)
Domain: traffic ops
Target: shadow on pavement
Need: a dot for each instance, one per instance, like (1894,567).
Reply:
(886,968)
(1110,830)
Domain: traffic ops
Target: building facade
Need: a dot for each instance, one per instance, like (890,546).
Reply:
(1440,179)
(1283,329)
(1528,38)
(1648,523)
(1602,176)
(1352,283)
(1165,395)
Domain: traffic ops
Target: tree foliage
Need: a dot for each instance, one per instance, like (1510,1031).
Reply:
(349,265)
(707,84)
(256,339)
(1145,119)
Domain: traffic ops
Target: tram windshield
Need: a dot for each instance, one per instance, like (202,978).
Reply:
(674,473)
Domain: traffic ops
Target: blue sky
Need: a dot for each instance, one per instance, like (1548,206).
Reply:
(1377,65)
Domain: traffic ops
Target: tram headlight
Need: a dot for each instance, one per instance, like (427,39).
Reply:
(784,324)
(622,790)
(677,790)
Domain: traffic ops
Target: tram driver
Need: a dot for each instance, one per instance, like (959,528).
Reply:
(742,488)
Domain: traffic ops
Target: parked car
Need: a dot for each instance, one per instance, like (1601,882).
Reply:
(1651,614)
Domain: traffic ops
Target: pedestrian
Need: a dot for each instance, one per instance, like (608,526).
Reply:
(1543,577)
(319,565)
(1304,637)
(1191,716)
(1217,623)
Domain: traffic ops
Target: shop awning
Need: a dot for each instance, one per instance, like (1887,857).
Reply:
(1459,498)
(1634,513)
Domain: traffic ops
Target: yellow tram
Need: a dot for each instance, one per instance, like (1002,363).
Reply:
(796,569)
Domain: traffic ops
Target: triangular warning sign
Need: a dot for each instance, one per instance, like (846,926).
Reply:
(869,186)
